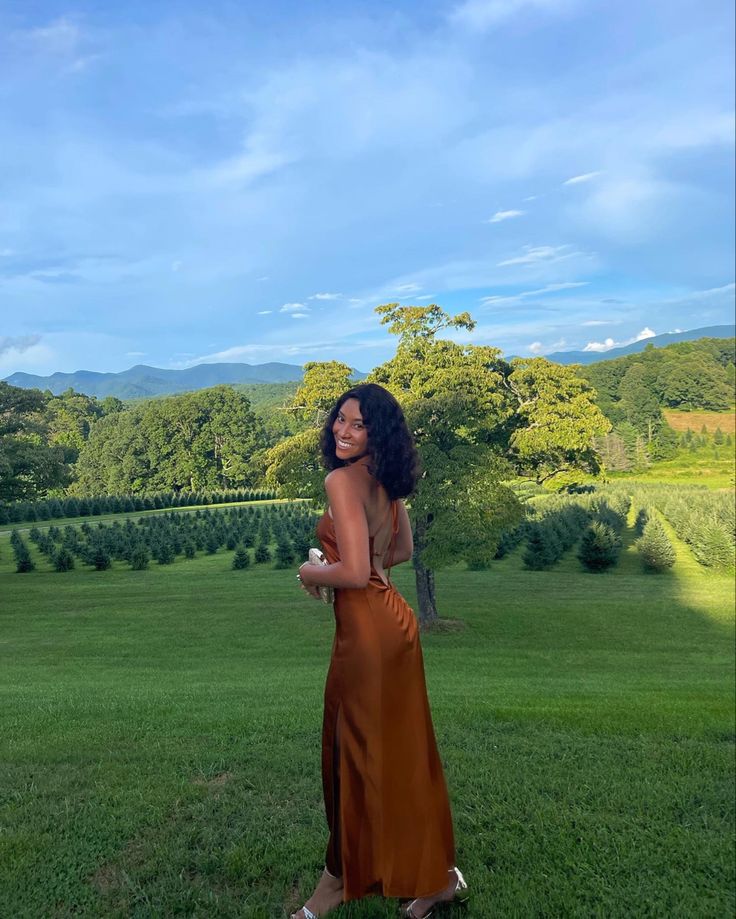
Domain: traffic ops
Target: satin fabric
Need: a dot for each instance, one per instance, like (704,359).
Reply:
(385,795)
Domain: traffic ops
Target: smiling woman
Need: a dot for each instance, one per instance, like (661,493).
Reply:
(385,796)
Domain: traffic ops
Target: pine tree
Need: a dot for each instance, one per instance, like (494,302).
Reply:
(542,548)
(100,558)
(284,553)
(657,553)
(262,553)
(63,560)
(599,547)
(241,559)
(139,558)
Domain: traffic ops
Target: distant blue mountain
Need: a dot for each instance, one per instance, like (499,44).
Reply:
(142,381)
(659,341)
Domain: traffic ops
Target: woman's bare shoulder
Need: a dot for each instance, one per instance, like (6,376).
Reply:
(346,479)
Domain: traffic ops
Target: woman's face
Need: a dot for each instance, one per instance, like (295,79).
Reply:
(351,436)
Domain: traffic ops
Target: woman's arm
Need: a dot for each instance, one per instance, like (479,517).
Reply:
(351,530)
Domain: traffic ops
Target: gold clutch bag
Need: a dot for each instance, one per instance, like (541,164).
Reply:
(317,557)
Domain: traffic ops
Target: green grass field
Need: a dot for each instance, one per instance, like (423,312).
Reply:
(160,739)
(714,467)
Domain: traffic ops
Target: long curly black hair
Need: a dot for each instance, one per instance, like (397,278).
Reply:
(394,460)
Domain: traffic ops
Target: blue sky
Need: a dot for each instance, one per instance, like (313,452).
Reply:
(241,181)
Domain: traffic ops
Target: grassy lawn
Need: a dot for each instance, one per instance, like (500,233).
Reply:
(714,467)
(160,739)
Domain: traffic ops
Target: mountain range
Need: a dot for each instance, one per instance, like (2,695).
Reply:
(142,381)
(659,341)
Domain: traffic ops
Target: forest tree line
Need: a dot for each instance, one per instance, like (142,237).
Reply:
(215,439)
(632,392)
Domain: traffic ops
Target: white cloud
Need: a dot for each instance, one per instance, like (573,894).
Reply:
(407,288)
(264,312)
(535,347)
(326,296)
(594,322)
(610,343)
(479,15)
(61,43)
(535,255)
(299,315)
(253,163)
(524,294)
(293,308)
(600,345)
(504,215)
(135,353)
(585,177)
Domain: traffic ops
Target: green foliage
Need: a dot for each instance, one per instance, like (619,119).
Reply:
(29,464)
(556,420)
(705,520)
(23,561)
(685,375)
(194,441)
(262,553)
(99,558)
(111,504)
(638,400)
(241,559)
(323,384)
(63,560)
(461,506)
(656,550)
(285,557)
(599,547)
(295,466)
(139,557)
(642,518)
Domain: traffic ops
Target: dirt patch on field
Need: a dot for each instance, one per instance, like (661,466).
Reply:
(215,781)
(681,421)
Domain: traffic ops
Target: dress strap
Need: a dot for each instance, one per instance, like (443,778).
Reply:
(392,544)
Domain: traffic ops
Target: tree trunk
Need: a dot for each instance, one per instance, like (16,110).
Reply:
(424,579)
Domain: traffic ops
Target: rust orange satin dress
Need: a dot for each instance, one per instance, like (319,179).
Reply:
(384,788)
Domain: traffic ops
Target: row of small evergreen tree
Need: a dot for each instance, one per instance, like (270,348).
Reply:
(558,523)
(281,534)
(704,519)
(56,508)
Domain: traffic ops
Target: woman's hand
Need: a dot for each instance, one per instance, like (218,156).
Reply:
(303,576)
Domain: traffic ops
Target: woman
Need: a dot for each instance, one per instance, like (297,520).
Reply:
(385,796)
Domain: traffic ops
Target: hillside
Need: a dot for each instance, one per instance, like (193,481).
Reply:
(658,341)
(142,381)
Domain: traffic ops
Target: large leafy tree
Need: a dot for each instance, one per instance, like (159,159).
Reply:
(476,420)
(556,421)
(199,440)
(322,385)
(30,466)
